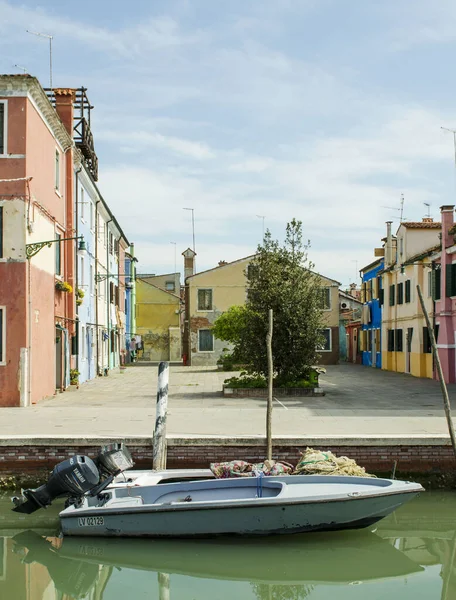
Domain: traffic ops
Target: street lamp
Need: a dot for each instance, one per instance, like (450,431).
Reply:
(103,276)
(34,248)
(193,225)
(175,255)
(262,217)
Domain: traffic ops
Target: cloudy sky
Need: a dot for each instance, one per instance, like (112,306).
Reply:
(322,110)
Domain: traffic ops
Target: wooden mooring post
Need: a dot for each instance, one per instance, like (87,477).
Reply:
(270,387)
(159,449)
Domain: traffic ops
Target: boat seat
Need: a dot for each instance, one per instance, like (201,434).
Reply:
(127,501)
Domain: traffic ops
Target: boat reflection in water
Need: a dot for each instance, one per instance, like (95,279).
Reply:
(397,559)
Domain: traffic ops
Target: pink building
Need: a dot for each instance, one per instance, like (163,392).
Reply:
(445,295)
(37,321)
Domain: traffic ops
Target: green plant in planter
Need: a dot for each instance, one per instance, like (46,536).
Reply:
(79,296)
(74,376)
(63,286)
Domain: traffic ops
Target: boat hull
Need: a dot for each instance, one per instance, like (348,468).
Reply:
(254,519)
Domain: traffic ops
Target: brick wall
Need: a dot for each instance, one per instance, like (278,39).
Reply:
(18,460)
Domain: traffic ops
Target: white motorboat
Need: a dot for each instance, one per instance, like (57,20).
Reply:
(183,504)
(247,506)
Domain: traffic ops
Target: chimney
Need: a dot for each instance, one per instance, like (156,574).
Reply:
(64,106)
(222,263)
(447,216)
(428,220)
(389,245)
(189,262)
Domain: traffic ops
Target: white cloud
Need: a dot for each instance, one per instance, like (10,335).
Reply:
(138,141)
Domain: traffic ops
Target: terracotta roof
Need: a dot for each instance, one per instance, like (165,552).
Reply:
(421,225)
(423,254)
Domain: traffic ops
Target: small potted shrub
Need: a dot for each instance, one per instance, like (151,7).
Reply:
(74,377)
(63,286)
(79,296)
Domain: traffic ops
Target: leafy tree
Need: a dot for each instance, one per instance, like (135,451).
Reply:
(281,278)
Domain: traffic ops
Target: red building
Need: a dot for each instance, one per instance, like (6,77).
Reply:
(37,315)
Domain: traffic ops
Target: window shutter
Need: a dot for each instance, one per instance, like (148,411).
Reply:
(398,340)
(408,290)
(400,293)
(381,296)
(392,294)
(436,284)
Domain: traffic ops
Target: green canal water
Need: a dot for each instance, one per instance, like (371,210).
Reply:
(409,555)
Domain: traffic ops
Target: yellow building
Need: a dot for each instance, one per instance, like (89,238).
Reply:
(408,262)
(210,293)
(158,315)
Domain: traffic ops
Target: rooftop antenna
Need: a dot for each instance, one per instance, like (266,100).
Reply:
(400,209)
(428,209)
(50,38)
(21,68)
(262,217)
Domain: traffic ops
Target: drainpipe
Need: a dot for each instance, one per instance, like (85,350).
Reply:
(97,283)
(109,295)
(77,263)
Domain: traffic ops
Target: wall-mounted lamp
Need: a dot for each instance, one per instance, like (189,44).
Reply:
(32,249)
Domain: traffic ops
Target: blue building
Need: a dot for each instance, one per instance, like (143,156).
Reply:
(130,299)
(86,197)
(371,317)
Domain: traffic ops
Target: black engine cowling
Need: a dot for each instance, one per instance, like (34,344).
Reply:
(73,477)
(76,477)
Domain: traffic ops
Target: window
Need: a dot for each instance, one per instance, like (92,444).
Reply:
(252,270)
(3,127)
(378,347)
(81,274)
(326,345)
(83,342)
(370,333)
(116,294)
(325,300)
(399,340)
(92,216)
(400,293)
(2,335)
(58,254)
(57,170)
(111,292)
(450,280)
(436,281)
(427,348)
(391,296)
(390,340)
(170,286)
(371,289)
(1,230)
(408,291)
(381,296)
(205,340)
(379,288)
(205,300)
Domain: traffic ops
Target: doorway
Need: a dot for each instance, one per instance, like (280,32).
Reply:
(58,358)
(408,349)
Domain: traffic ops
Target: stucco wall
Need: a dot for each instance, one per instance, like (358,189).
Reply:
(229,287)
(156,312)
(13,285)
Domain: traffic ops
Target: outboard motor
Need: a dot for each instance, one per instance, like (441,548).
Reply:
(73,477)
(76,477)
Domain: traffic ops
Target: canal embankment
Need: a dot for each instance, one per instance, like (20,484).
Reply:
(427,458)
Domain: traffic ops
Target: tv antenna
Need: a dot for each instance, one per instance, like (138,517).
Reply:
(428,209)
(21,68)
(400,209)
(50,38)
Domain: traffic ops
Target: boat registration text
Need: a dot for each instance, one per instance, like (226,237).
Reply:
(90,521)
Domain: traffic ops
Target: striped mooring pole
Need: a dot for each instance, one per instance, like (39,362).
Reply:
(159,449)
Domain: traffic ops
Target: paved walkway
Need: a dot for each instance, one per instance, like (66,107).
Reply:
(359,401)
